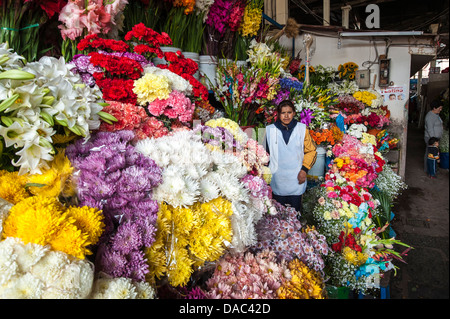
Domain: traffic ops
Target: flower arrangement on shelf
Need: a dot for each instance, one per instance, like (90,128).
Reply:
(347,70)
(385,141)
(243,92)
(345,215)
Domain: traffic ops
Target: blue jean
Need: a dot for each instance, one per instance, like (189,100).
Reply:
(294,201)
(431,166)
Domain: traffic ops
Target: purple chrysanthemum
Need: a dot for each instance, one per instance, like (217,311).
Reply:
(127,238)
(137,266)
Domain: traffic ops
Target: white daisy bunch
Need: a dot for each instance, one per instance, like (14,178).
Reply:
(121,288)
(32,271)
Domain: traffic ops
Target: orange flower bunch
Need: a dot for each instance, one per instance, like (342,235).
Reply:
(327,136)
(188,4)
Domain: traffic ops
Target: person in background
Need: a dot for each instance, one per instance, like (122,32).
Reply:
(292,153)
(433,126)
(432,156)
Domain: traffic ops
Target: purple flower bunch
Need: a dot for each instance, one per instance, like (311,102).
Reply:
(257,186)
(218,136)
(283,233)
(306,116)
(85,69)
(219,14)
(117,179)
(281,96)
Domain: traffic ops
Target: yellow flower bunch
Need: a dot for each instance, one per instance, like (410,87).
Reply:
(251,21)
(305,283)
(347,70)
(53,181)
(50,183)
(340,161)
(12,186)
(187,237)
(369,139)
(45,221)
(151,87)
(231,126)
(354,257)
(365,96)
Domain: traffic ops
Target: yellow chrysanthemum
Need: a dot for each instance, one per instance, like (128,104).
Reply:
(187,237)
(53,179)
(305,283)
(71,240)
(12,186)
(151,87)
(354,257)
(35,219)
(89,220)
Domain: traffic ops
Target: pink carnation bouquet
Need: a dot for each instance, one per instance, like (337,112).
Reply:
(176,106)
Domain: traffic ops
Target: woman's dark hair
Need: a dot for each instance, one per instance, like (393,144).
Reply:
(285,103)
(432,140)
(435,104)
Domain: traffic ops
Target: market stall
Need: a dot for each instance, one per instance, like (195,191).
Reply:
(128,171)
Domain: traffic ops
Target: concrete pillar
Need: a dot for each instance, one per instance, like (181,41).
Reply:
(326,12)
(345,16)
(281,11)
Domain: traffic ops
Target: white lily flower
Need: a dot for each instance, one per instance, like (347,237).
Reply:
(33,157)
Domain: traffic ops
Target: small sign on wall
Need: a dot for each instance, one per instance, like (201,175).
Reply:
(394,93)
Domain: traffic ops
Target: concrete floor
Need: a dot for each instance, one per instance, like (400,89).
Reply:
(422,221)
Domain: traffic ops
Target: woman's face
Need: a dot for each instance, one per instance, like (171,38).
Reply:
(286,115)
(438,110)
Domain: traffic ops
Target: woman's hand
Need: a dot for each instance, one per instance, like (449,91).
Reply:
(301,177)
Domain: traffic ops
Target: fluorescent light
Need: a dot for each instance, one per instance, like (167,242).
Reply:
(379,33)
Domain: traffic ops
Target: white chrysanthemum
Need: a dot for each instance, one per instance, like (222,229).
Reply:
(116,288)
(228,164)
(22,287)
(28,255)
(208,188)
(76,278)
(55,293)
(8,265)
(51,266)
(144,290)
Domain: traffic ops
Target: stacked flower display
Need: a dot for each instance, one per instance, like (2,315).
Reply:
(108,190)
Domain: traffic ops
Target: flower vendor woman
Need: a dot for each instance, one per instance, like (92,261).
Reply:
(292,153)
